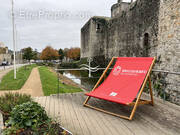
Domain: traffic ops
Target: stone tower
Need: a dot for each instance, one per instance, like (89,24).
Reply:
(119,7)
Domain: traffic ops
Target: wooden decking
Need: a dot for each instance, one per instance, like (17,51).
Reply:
(161,119)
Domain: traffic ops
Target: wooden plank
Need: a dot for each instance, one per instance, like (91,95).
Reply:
(161,119)
(139,125)
(76,129)
(83,127)
(84,116)
(65,118)
(91,117)
(104,124)
(135,129)
(58,106)
(52,107)
(116,127)
(41,101)
(48,104)
(108,112)
(166,122)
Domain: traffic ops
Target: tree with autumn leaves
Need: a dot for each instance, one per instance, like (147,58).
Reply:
(73,53)
(49,54)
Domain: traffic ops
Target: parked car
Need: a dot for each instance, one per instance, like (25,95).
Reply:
(4,63)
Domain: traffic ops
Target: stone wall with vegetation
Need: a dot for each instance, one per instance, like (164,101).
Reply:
(168,49)
(131,33)
(134,32)
(145,28)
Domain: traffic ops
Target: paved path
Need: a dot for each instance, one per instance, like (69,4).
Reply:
(161,119)
(32,86)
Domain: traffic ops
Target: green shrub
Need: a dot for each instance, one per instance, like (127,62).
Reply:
(40,64)
(10,100)
(68,65)
(28,115)
(31,119)
(10,131)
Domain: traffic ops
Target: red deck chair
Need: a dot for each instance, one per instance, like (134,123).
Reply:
(125,82)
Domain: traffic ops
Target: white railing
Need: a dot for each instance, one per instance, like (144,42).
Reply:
(95,69)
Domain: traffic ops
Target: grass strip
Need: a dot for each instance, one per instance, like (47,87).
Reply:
(50,83)
(9,83)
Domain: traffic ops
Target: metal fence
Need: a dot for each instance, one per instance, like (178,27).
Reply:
(93,70)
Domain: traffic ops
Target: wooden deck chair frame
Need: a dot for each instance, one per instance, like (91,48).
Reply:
(138,100)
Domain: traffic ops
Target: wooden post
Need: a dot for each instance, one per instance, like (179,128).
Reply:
(140,93)
(151,92)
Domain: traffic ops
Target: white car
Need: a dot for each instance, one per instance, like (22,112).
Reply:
(4,63)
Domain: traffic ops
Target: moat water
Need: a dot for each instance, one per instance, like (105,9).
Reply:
(81,77)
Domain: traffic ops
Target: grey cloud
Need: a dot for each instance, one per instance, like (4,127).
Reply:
(38,33)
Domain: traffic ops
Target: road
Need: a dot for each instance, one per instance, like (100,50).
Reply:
(11,66)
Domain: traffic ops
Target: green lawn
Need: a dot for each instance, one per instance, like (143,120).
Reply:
(9,83)
(50,83)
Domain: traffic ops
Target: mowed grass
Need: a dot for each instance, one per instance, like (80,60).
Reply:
(50,83)
(9,83)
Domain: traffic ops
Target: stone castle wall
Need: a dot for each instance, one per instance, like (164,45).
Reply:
(94,39)
(123,34)
(168,49)
(144,28)
(126,32)
(117,8)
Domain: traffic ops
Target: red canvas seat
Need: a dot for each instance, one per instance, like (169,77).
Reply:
(125,80)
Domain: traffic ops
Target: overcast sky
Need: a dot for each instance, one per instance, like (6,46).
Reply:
(49,22)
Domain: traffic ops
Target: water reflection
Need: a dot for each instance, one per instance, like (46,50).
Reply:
(73,77)
(81,77)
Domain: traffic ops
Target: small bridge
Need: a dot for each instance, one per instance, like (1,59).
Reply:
(161,119)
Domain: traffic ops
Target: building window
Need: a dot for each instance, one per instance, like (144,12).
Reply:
(146,44)
(98,27)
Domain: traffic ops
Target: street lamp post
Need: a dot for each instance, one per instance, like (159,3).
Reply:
(14,45)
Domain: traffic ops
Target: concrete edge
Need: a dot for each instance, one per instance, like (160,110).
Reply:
(66,130)
(1,123)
